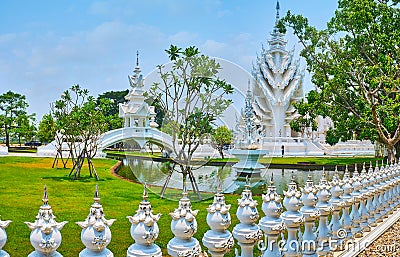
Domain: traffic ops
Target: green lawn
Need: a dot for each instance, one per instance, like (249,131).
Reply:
(22,180)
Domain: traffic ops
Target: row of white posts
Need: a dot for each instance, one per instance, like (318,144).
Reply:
(371,196)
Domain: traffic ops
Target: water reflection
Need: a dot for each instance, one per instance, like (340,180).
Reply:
(208,177)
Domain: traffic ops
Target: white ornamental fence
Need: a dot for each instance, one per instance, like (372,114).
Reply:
(357,204)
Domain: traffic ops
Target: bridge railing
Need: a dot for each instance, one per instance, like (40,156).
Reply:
(357,205)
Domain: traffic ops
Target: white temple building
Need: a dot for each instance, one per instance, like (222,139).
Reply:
(278,84)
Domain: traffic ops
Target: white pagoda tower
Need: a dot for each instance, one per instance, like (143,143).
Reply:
(136,112)
(279,83)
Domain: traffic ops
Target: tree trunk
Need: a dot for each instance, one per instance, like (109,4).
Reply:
(397,147)
(390,150)
(7,136)
(221,152)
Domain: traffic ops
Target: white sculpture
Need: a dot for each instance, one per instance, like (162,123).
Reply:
(271,224)
(310,213)
(96,234)
(184,226)
(3,237)
(218,240)
(279,83)
(45,236)
(338,204)
(144,230)
(292,218)
(247,233)
(325,209)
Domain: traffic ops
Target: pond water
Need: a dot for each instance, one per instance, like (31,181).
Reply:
(208,177)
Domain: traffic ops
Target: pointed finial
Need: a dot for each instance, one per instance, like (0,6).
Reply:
(292,178)
(145,195)
(137,58)
(45,198)
(277,11)
(247,185)
(272,180)
(355,167)
(96,195)
(184,191)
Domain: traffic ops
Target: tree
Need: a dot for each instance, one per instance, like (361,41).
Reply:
(82,121)
(221,138)
(25,127)
(190,96)
(47,129)
(12,105)
(114,98)
(355,67)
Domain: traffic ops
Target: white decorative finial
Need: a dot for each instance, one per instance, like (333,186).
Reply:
(96,234)
(277,11)
(137,58)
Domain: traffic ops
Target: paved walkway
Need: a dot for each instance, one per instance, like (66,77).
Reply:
(21,154)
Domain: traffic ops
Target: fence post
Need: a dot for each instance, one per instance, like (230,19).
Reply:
(144,230)
(337,203)
(45,235)
(247,233)
(96,234)
(325,208)
(218,240)
(271,224)
(184,226)
(3,237)
(292,219)
(310,213)
(355,213)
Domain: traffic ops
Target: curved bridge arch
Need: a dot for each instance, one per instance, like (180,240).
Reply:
(141,135)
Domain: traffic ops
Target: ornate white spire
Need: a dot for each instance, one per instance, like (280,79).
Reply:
(45,236)
(144,230)
(279,83)
(96,234)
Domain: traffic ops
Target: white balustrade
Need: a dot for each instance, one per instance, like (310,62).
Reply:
(372,196)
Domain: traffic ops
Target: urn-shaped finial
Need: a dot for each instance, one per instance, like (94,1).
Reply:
(184,226)
(3,237)
(218,240)
(247,211)
(96,234)
(45,235)
(144,230)
(292,200)
(272,206)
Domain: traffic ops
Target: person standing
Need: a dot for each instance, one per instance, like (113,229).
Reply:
(283,150)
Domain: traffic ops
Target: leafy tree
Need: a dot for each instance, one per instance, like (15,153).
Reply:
(355,66)
(47,129)
(82,121)
(221,137)
(113,98)
(191,96)
(25,127)
(12,105)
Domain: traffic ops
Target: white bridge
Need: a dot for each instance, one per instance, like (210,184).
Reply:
(140,135)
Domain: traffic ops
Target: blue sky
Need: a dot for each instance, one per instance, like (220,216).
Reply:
(48,46)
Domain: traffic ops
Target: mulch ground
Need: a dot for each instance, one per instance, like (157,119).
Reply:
(387,245)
